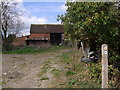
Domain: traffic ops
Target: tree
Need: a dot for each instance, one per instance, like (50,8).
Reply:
(10,20)
(99,22)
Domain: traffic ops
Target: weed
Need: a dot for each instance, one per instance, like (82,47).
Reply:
(44,78)
(88,84)
(47,62)
(66,57)
(44,68)
(31,62)
(23,65)
(68,73)
(18,58)
(78,73)
(2,83)
(71,83)
(15,57)
(56,72)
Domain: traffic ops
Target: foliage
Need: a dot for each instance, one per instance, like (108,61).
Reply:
(81,79)
(90,76)
(9,42)
(96,21)
(95,72)
(83,75)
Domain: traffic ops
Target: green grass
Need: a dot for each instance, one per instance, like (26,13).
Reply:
(56,72)
(66,57)
(78,74)
(79,78)
(69,73)
(2,83)
(44,78)
(44,69)
(33,50)
(82,84)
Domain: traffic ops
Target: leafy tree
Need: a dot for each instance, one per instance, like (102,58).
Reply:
(99,22)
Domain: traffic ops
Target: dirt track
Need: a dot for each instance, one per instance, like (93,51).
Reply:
(23,71)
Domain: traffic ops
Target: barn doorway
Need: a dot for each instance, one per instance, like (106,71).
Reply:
(55,38)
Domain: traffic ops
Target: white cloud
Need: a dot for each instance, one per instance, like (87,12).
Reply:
(19,0)
(35,20)
(28,21)
(63,7)
(45,9)
(56,23)
(44,0)
(24,32)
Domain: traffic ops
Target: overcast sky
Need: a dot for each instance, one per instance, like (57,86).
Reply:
(37,12)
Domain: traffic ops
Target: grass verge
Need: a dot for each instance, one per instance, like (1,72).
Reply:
(34,50)
(81,75)
(77,72)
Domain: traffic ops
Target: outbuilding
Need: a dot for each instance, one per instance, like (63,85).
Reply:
(45,34)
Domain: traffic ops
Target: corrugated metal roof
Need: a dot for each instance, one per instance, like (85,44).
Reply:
(37,39)
(46,28)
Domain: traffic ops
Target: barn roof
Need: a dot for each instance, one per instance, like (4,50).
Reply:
(46,28)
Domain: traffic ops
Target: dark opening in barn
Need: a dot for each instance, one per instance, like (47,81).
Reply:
(55,38)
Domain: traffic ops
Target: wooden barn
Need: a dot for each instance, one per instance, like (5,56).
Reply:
(45,34)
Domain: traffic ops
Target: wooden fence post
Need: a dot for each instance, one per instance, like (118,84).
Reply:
(104,66)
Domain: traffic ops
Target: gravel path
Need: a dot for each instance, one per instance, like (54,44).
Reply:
(22,71)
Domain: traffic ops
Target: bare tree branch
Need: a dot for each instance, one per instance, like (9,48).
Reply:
(10,18)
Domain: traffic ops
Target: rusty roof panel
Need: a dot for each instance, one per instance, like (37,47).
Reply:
(46,28)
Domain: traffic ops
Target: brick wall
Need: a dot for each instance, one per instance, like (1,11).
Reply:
(20,41)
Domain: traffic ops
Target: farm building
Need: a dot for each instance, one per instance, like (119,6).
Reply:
(41,34)
(44,35)
(20,41)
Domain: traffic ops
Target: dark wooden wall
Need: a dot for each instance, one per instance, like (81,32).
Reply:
(55,38)
(38,43)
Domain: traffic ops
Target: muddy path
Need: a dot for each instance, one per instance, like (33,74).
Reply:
(34,70)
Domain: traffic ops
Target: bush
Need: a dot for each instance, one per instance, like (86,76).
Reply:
(95,73)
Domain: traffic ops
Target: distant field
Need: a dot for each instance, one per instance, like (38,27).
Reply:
(31,50)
